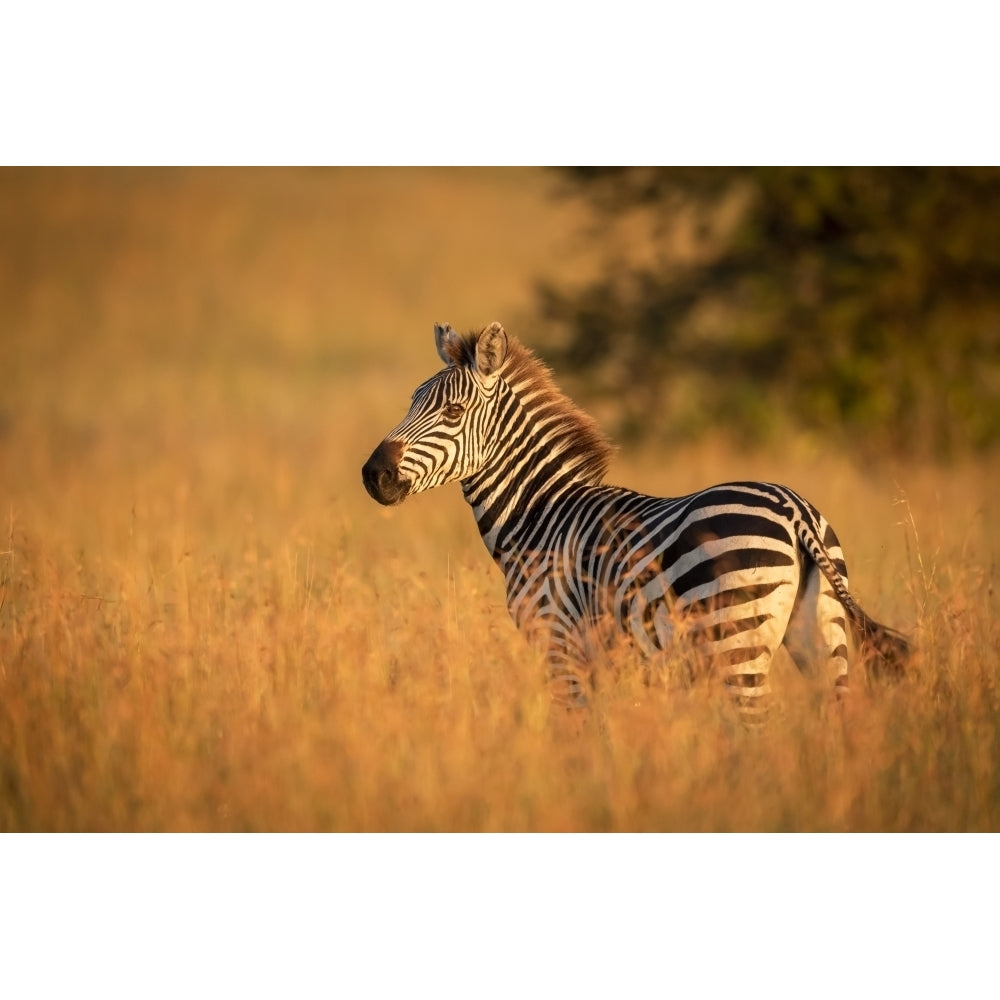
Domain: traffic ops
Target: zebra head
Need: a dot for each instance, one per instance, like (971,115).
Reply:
(441,439)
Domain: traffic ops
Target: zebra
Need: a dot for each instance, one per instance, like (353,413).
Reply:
(735,570)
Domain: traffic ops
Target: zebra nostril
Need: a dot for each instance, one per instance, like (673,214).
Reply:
(370,477)
(381,475)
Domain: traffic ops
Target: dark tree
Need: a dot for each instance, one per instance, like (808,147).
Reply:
(856,301)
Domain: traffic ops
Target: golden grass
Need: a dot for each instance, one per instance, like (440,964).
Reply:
(205,624)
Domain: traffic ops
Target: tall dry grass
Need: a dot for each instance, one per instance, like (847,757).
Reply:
(205,624)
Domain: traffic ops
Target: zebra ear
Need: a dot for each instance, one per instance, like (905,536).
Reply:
(450,348)
(491,349)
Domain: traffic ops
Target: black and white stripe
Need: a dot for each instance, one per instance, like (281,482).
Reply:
(732,572)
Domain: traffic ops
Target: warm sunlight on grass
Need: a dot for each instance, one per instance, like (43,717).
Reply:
(206,624)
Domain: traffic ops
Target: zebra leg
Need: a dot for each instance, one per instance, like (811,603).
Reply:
(746,680)
(740,641)
(566,661)
(816,637)
(566,686)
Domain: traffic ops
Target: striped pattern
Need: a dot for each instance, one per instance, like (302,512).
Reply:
(732,572)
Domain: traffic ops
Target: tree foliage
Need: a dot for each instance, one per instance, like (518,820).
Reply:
(857,301)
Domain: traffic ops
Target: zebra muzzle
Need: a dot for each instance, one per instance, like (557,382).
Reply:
(380,474)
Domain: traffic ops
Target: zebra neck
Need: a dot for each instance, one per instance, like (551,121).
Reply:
(544,446)
(510,506)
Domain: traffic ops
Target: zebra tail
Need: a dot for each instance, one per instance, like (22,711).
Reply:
(884,651)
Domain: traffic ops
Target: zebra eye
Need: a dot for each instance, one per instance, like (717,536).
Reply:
(454,410)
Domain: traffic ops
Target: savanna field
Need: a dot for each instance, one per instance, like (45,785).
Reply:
(207,625)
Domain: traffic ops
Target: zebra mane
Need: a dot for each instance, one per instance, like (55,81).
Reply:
(579,439)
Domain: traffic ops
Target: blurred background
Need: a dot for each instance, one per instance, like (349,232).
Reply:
(856,308)
(144,311)
(859,304)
